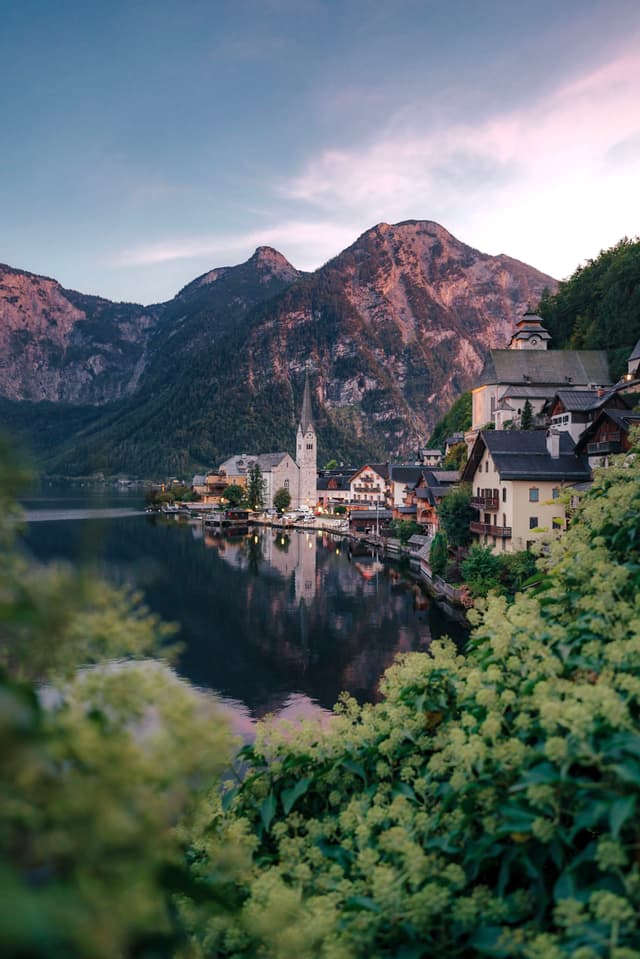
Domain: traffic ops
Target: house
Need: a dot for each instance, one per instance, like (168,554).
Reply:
(402,478)
(369,521)
(517,478)
(454,440)
(370,484)
(529,371)
(426,495)
(607,435)
(431,457)
(333,486)
(574,410)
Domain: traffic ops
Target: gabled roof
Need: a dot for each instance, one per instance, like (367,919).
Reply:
(623,420)
(546,367)
(636,352)
(382,469)
(336,483)
(268,461)
(238,464)
(404,474)
(523,455)
(576,401)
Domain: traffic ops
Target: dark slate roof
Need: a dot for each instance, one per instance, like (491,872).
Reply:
(267,461)
(453,439)
(382,469)
(407,510)
(523,455)
(577,401)
(522,391)
(371,514)
(339,483)
(446,476)
(405,474)
(552,367)
(623,419)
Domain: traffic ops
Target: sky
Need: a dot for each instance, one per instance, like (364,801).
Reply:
(145,142)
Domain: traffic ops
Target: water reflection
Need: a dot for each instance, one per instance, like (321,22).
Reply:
(270,620)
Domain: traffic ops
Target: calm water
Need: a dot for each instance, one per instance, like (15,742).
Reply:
(269,621)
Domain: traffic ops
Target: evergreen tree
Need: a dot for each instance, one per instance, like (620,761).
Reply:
(526,423)
(255,487)
(438,554)
(455,513)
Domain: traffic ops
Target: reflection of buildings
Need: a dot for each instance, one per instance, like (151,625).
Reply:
(295,555)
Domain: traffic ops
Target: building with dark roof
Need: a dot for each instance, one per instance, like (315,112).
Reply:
(517,479)
(608,435)
(529,371)
(572,411)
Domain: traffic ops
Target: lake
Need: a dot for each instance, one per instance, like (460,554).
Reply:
(273,622)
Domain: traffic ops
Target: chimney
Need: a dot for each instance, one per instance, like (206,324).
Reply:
(553,444)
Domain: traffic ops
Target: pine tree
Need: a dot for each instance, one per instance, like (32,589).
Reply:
(526,423)
(255,487)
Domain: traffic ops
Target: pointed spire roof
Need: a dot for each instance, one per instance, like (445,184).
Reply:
(306,419)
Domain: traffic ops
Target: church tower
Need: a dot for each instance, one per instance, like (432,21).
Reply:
(529,333)
(307,452)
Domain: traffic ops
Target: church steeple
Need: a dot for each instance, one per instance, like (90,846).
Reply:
(307,451)
(306,419)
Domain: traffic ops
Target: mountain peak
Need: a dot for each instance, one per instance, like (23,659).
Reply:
(266,258)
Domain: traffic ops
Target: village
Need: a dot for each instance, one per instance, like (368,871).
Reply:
(542,421)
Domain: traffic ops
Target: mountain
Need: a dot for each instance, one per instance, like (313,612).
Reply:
(63,346)
(391,330)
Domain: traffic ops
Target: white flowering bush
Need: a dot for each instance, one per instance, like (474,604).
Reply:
(487,806)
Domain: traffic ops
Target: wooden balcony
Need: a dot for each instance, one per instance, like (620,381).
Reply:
(486,529)
(612,444)
(488,500)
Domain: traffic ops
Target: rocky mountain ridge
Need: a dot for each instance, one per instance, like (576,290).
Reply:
(392,330)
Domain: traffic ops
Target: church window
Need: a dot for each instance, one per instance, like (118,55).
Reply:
(309,446)
(286,484)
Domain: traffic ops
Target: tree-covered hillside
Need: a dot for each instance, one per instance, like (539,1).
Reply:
(598,308)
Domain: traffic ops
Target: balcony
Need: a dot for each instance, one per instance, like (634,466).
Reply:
(613,444)
(486,529)
(488,500)
(368,489)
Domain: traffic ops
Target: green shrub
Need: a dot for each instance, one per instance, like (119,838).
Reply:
(488,805)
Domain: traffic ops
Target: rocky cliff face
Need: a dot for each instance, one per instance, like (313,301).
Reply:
(392,331)
(62,346)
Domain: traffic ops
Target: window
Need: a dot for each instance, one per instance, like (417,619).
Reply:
(534,494)
(286,484)
(555,492)
(504,494)
(309,446)
(533,522)
(556,522)
(486,467)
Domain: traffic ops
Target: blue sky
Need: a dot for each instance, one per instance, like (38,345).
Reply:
(147,141)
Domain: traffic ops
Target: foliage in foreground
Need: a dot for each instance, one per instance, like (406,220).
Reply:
(488,806)
(99,762)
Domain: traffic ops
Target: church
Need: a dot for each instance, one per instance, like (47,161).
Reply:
(280,470)
(529,371)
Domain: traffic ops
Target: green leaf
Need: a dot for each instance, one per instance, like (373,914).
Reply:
(620,811)
(354,767)
(289,797)
(362,902)
(268,811)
